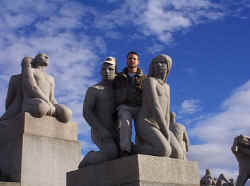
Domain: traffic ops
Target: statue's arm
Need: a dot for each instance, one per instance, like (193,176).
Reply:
(11,92)
(52,91)
(186,139)
(29,84)
(89,107)
(153,103)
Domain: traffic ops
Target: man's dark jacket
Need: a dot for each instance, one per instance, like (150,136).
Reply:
(129,90)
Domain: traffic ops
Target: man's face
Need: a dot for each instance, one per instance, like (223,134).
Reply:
(43,59)
(108,71)
(132,61)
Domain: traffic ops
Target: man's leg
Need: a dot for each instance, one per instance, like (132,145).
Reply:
(125,122)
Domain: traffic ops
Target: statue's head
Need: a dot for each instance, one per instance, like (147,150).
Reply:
(41,59)
(108,70)
(243,141)
(160,66)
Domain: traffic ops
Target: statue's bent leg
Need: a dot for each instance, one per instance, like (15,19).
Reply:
(153,141)
(107,146)
(125,119)
(108,151)
(36,107)
(177,150)
(63,113)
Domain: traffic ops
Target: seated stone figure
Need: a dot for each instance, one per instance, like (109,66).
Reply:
(241,150)
(180,133)
(207,179)
(32,91)
(153,136)
(98,110)
(223,181)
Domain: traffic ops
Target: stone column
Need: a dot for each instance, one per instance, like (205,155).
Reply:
(137,170)
(38,151)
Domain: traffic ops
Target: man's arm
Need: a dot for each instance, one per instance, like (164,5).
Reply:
(89,106)
(52,91)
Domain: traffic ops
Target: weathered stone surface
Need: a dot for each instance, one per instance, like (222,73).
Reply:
(9,184)
(137,170)
(38,151)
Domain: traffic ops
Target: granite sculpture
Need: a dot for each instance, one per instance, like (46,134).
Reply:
(207,179)
(223,181)
(241,150)
(152,125)
(180,133)
(32,91)
(98,110)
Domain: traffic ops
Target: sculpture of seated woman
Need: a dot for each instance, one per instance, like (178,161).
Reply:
(153,136)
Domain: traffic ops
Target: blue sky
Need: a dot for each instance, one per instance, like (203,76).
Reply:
(207,40)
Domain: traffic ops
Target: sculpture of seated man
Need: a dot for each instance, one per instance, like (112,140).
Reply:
(98,110)
(32,91)
(180,133)
(153,136)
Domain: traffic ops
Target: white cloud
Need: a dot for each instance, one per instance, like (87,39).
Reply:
(190,106)
(161,18)
(217,132)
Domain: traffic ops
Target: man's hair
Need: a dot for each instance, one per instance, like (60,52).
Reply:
(133,52)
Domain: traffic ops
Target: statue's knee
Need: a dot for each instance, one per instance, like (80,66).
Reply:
(42,109)
(36,107)
(63,113)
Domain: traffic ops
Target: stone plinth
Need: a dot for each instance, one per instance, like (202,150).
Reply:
(38,151)
(137,170)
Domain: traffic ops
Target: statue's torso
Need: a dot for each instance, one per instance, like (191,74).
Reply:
(44,81)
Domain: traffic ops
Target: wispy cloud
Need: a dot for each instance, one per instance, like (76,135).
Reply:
(190,106)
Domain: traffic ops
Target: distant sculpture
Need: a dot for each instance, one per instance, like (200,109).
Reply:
(223,181)
(152,124)
(180,133)
(98,110)
(207,179)
(241,150)
(32,91)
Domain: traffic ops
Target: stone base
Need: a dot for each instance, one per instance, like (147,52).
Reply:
(137,170)
(38,151)
(9,184)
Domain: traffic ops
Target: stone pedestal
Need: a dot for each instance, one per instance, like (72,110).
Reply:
(37,151)
(137,170)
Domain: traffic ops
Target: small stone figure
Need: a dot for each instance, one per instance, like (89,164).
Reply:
(128,98)
(207,179)
(241,150)
(152,124)
(98,110)
(180,133)
(223,181)
(32,91)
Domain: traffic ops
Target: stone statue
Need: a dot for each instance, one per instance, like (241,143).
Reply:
(98,110)
(153,136)
(223,181)
(241,150)
(180,133)
(207,179)
(32,91)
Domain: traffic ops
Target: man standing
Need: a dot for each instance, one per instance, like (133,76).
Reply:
(128,97)
(98,110)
